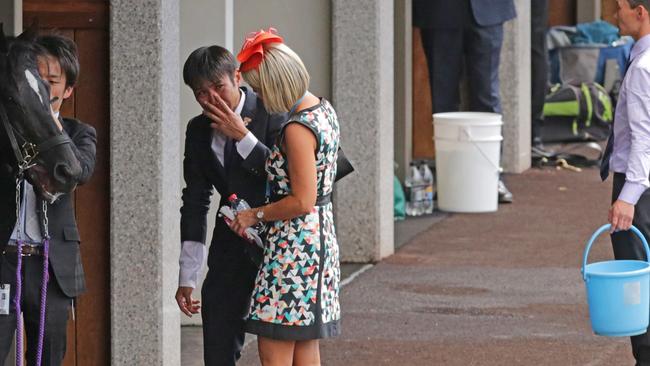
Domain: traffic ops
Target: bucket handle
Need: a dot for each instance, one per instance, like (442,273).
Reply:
(601,230)
(468,134)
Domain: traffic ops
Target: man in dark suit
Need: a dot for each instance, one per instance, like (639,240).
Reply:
(464,33)
(60,67)
(227,153)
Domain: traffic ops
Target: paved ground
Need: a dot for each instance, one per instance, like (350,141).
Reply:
(488,289)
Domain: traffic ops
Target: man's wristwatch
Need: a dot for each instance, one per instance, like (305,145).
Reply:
(260,214)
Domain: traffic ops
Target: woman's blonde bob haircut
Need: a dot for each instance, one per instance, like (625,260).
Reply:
(280,79)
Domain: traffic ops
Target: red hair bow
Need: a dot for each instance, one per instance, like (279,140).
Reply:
(252,51)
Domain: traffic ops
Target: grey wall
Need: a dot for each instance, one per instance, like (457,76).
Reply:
(11,16)
(305,26)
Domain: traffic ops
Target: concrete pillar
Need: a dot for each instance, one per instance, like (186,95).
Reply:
(514,76)
(145,177)
(363,95)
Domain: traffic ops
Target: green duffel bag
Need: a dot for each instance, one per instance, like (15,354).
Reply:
(574,113)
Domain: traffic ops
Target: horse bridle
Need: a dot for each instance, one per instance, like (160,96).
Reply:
(25,156)
(26,153)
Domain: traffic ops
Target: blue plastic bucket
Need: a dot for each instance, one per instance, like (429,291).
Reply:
(617,292)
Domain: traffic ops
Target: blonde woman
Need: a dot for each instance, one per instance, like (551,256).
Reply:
(296,296)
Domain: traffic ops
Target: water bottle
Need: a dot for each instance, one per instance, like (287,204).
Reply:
(414,191)
(427,180)
(239,204)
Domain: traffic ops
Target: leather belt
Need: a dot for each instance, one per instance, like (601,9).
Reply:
(27,250)
(320,200)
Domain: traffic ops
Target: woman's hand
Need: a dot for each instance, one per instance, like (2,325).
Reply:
(243,221)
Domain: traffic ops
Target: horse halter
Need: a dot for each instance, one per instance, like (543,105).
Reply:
(25,156)
(26,153)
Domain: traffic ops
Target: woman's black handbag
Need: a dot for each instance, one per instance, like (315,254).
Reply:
(343,166)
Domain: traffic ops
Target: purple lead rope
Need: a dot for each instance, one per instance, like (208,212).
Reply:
(17,301)
(46,278)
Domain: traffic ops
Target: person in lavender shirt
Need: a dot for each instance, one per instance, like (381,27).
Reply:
(627,154)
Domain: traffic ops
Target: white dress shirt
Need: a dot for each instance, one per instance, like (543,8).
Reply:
(193,252)
(631,149)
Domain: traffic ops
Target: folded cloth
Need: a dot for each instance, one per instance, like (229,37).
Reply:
(559,36)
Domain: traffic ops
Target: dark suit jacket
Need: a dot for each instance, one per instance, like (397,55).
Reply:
(203,172)
(65,257)
(452,14)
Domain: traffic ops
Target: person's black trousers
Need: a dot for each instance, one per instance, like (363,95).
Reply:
(627,246)
(56,317)
(539,62)
(472,46)
(226,296)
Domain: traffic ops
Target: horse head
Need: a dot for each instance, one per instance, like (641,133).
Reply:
(39,148)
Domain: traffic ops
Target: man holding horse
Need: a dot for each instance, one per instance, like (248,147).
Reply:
(58,65)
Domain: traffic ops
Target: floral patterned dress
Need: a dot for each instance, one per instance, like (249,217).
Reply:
(296,295)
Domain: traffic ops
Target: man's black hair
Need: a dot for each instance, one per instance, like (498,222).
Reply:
(635,3)
(65,51)
(208,64)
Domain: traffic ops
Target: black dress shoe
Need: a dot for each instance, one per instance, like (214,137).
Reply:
(505,196)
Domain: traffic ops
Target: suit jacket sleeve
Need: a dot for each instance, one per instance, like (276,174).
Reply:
(255,161)
(197,192)
(84,146)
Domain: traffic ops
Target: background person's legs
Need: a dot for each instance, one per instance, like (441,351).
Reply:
(538,66)
(482,56)
(444,51)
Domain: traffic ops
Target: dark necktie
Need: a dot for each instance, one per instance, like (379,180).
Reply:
(604,163)
(227,152)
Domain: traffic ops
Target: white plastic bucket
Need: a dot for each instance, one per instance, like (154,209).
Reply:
(467,160)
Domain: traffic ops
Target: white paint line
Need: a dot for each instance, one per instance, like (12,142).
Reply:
(356,274)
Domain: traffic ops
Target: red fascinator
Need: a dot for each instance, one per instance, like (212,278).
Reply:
(252,51)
